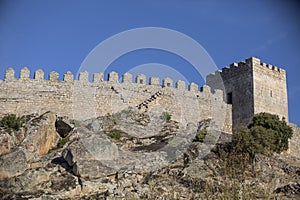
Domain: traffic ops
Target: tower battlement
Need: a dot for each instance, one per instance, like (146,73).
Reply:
(252,87)
(240,67)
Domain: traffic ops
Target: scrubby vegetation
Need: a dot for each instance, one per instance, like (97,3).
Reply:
(166,116)
(267,134)
(62,142)
(11,121)
(200,135)
(115,134)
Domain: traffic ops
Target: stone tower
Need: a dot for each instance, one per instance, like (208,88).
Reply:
(252,87)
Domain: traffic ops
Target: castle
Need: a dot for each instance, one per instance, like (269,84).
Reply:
(231,96)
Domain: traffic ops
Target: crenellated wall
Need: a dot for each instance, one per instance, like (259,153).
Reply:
(80,99)
(252,87)
(249,87)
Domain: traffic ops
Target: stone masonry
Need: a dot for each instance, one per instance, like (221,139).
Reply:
(252,87)
(247,87)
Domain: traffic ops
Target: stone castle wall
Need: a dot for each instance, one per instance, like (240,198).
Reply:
(81,99)
(249,87)
(252,87)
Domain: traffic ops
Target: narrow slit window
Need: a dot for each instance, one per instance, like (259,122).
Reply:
(271,93)
(141,81)
(229,98)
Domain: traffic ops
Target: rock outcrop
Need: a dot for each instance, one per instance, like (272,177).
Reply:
(87,156)
(13,164)
(101,159)
(38,137)
(41,135)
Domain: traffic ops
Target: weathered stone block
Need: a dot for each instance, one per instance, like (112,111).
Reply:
(167,82)
(24,74)
(206,89)
(140,79)
(193,87)
(180,85)
(127,78)
(98,77)
(10,74)
(53,76)
(39,75)
(253,61)
(154,81)
(113,77)
(68,77)
(83,77)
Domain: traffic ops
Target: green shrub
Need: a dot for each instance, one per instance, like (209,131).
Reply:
(267,134)
(200,135)
(115,134)
(166,116)
(12,121)
(62,142)
(245,142)
(278,131)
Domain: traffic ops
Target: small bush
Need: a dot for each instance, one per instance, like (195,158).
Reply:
(62,142)
(267,134)
(115,134)
(11,121)
(166,116)
(277,131)
(200,136)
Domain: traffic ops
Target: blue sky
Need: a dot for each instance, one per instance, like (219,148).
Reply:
(58,35)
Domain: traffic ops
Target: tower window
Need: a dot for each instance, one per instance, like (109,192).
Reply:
(271,93)
(168,84)
(141,81)
(229,98)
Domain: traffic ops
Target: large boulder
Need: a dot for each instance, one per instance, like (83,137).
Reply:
(41,135)
(89,156)
(13,164)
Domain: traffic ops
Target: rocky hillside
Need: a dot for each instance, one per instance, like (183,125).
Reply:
(134,155)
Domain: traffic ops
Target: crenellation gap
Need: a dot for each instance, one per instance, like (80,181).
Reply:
(141,79)
(167,82)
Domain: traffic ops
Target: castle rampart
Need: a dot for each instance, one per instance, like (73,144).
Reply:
(81,99)
(232,95)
